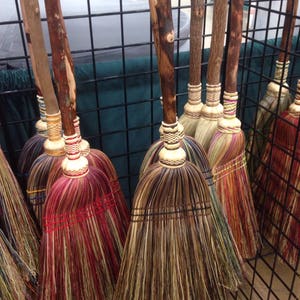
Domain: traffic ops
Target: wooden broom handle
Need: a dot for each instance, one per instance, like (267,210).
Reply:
(235,39)
(288,30)
(60,65)
(38,54)
(220,11)
(165,57)
(196,28)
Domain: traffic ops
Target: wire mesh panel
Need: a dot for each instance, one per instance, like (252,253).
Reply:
(118,101)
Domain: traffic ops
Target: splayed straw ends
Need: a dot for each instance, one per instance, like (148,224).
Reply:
(279,205)
(192,109)
(54,144)
(172,249)
(212,110)
(227,152)
(277,97)
(83,233)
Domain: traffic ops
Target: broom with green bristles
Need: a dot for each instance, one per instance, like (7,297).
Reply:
(172,249)
(277,97)
(279,174)
(227,152)
(83,234)
(15,219)
(212,110)
(54,144)
(192,109)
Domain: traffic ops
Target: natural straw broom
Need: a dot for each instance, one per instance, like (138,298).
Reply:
(227,151)
(15,219)
(212,110)
(277,97)
(95,157)
(280,203)
(192,108)
(54,145)
(172,250)
(83,235)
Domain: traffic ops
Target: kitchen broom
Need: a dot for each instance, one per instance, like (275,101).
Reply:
(192,109)
(54,144)
(171,249)
(83,235)
(212,110)
(277,97)
(227,152)
(280,203)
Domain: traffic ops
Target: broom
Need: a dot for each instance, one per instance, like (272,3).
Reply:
(281,205)
(227,152)
(171,250)
(83,235)
(277,97)
(15,219)
(54,145)
(212,110)
(95,157)
(192,108)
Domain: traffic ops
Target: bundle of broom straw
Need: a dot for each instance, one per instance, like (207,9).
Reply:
(212,110)
(277,97)
(192,109)
(227,152)
(54,144)
(279,174)
(172,250)
(83,234)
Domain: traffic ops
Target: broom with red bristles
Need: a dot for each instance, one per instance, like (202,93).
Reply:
(172,249)
(212,110)
(192,109)
(95,157)
(54,144)
(83,234)
(280,204)
(277,97)
(227,152)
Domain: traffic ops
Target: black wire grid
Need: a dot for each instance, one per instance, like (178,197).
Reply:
(269,276)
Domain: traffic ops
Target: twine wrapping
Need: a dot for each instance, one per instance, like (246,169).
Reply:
(281,67)
(74,165)
(193,107)
(84,145)
(294,108)
(41,125)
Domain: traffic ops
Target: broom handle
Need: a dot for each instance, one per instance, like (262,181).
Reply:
(217,42)
(196,28)
(235,39)
(38,54)
(165,56)
(61,66)
(288,30)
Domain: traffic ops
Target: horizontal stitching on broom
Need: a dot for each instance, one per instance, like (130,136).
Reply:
(232,166)
(61,221)
(35,191)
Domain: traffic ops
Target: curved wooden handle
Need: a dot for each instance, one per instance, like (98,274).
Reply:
(235,39)
(217,41)
(38,54)
(196,28)
(60,63)
(288,30)
(165,55)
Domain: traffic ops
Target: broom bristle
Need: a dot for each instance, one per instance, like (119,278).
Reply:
(205,131)
(279,204)
(15,218)
(227,158)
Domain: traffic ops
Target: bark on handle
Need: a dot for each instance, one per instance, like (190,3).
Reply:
(61,66)
(196,28)
(38,54)
(235,39)
(217,42)
(288,30)
(165,56)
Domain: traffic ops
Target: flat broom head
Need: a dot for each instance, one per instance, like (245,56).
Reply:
(83,235)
